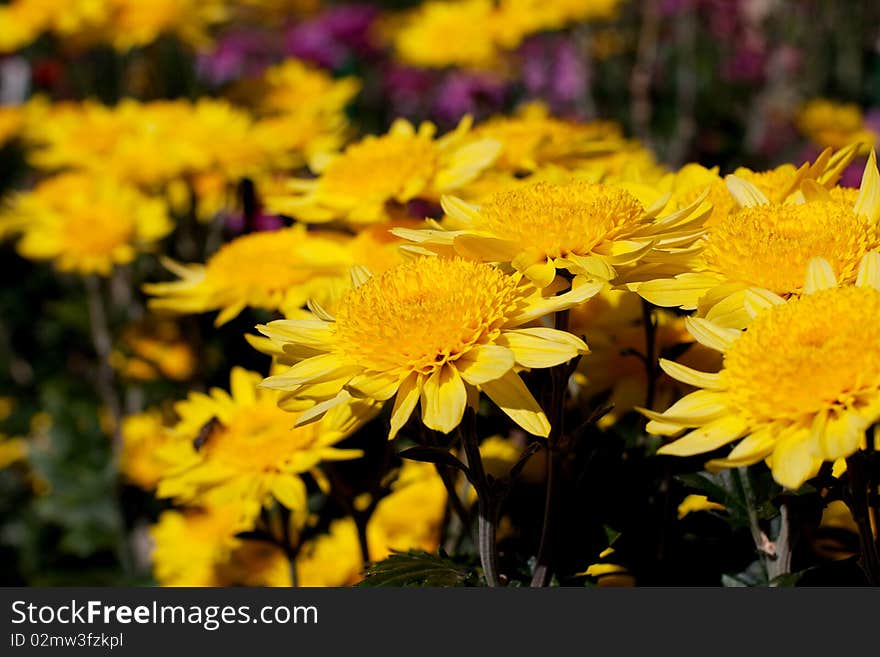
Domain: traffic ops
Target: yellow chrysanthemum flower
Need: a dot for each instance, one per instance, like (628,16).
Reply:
(410,517)
(440,33)
(766,246)
(292,81)
(516,19)
(778,185)
(800,386)
(187,546)
(22,21)
(274,270)
(357,184)
(240,447)
(198,547)
(331,559)
(433,329)
(143,437)
(153,349)
(593,231)
(135,23)
(85,224)
(154,143)
(475,33)
(827,123)
(532,138)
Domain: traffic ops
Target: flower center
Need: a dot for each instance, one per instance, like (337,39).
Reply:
(380,167)
(771,245)
(97,230)
(560,220)
(258,438)
(816,352)
(419,315)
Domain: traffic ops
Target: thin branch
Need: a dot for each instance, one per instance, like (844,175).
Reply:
(105,381)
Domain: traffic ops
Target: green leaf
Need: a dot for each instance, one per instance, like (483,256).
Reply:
(418,568)
(754,575)
(790,579)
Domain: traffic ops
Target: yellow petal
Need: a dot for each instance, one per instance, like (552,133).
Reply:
(462,211)
(745,193)
(794,460)
(485,248)
(310,332)
(683,291)
(374,385)
(405,402)
(290,491)
(228,314)
(820,276)
(710,335)
(599,569)
(690,376)
(692,410)
(707,438)
(359,275)
(318,411)
(749,450)
(541,274)
(581,290)
(485,363)
(841,436)
(443,399)
(869,271)
(756,300)
(693,503)
(243,385)
(868,200)
(730,312)
(591,266)
(312,370)
(512,396)
(542,347)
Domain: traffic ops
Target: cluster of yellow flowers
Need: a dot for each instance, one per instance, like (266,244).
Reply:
(121,172)
(473,33)
(421,272)
(125,24)
(781,268)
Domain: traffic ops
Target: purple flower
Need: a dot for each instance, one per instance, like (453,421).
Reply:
(237,55)
(409,91)
(746,65)
(334,36)
(462,92)
(554,70)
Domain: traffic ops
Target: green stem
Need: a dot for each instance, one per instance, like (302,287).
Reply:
(556,411)
(105,381)
(486,505)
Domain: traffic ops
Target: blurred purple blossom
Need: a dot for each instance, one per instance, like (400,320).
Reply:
(554,70)
(745,65)
(236,55)
(333,36)
(408,91)
(463,92)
